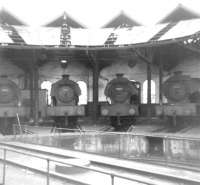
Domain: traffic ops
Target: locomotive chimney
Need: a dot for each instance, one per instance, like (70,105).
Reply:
(120,75)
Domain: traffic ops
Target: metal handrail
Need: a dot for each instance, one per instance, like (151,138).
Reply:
(19,123)
(65,129)
(112,175)
(166,136)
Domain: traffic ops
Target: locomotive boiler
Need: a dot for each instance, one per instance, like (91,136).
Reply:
(183,96)
(65,109)
(120,91)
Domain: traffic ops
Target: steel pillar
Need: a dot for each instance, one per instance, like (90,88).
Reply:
(148,83)
(160,82)
(149,88)
(31,94)
(34,88)
(95,87)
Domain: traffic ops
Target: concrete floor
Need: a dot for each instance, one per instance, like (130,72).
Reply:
(23,176)
(15,175)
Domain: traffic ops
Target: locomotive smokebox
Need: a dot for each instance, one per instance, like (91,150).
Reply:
(65,91)
(120,89)
(179,88)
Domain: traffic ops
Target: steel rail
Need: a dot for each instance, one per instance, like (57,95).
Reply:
(159,135)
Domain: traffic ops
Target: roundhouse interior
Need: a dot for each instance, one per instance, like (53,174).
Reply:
(35,69)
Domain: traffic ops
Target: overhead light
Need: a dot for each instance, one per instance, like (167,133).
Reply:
(63,61)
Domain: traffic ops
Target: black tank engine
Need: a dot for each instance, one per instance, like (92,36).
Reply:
(65,109)
(120,91)
(183,96)
(65,92)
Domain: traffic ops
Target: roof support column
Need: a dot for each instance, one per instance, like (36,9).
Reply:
(148,83)
(34,87)
(31,93)
(147,57)
(26,80)
(160,82)
(95,86)
(149,88)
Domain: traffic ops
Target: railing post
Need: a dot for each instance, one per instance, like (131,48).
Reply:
(112,179)
(48,176)
(119,145)
(4,166)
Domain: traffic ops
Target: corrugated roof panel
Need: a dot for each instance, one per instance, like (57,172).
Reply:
(182,29)
(79,36)
(50,36)
(4,37)
(39,35)
(138,34)
(107,36)
(98,36)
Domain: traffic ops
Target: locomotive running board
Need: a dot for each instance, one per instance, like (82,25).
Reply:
(70,110)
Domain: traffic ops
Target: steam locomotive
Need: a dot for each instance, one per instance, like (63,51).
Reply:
(183,96)
(10,104)
(65,109)
(182,93)
(122,93)
(15,104)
